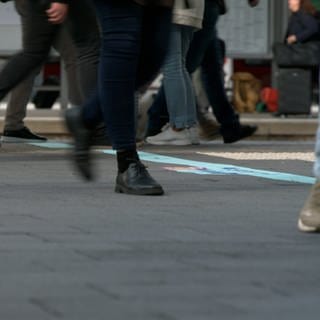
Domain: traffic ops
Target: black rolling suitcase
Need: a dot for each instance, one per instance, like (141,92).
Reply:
(295,91)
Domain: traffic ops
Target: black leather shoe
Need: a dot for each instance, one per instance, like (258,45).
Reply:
(21,135)
(238,133)
(137,180)
(82,142)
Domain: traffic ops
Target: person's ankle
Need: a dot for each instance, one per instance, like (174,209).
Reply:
(125,158)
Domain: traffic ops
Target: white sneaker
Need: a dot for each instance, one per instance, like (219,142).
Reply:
(194,134)
(187,136)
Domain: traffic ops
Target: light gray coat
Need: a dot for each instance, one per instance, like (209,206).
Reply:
(188,13)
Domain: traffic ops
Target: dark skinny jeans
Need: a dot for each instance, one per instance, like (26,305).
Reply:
(134,40)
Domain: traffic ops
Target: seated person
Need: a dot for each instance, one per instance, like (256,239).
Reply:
(302,41)
(303,25)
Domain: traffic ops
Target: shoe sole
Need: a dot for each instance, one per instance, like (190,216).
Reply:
(20,140)
(209,137)
(173,143)
(304,228)
(227,141)
(142,192)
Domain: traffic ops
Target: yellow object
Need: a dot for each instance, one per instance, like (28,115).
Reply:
(246,91)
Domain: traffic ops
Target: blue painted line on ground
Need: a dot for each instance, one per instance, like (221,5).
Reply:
(52,145)
(199,166)
(215,168)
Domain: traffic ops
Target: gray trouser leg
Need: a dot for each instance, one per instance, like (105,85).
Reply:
(20,95)
(17,106)
(64,45)
(37,37)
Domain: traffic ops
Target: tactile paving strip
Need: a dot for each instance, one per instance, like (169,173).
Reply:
(302,156)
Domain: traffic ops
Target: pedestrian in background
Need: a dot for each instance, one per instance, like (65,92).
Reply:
(177,85)
(39,30)
(15,129)
(204,52)
(45,24)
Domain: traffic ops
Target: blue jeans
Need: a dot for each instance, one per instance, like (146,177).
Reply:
(134,40)
(177,84)
(204,52)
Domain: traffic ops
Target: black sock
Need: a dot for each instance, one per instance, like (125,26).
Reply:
(125,157)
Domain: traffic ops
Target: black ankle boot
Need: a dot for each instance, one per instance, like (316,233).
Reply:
(82,142)
(137,180)
(238,132)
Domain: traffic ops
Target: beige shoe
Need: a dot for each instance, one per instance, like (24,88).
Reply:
(209,129)
(208,126)
(309,220)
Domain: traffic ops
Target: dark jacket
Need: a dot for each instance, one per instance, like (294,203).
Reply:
(61,1)
(304,26)
(221,5)
(164,3)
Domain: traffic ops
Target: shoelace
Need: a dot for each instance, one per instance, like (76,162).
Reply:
(139,165)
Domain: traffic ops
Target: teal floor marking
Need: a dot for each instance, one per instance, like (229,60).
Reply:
(214,168)
(51,145)
(199,167)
